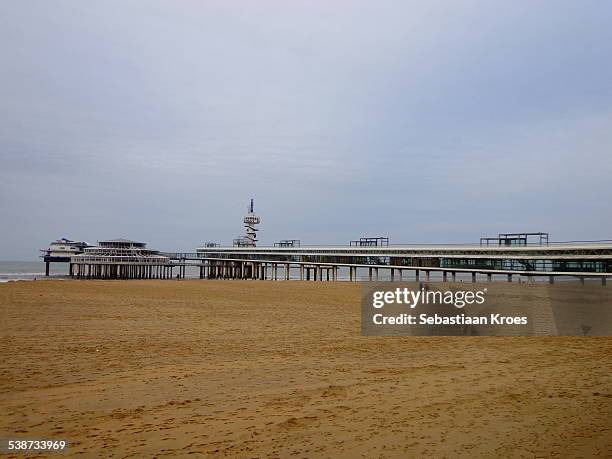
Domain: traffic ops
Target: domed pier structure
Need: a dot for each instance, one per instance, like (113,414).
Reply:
(122,259)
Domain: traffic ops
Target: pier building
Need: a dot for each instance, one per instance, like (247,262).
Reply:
(60,251)
(123,259)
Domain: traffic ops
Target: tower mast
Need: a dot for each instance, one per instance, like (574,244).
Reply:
(250,220)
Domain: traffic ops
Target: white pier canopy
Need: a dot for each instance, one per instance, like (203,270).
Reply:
(121,259)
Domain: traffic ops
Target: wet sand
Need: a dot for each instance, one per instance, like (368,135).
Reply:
(260,369)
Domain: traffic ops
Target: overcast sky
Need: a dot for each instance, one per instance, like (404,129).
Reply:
(429,121)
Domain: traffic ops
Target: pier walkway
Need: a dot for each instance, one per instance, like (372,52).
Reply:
(122,259)
(582,260)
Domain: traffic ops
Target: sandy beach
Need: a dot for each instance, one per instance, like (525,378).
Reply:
(279,369)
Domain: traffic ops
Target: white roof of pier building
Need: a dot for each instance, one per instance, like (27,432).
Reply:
(120,242)
(120,251)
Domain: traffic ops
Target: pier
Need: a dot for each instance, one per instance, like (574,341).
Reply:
(124,259)
(578,260)
(513,256)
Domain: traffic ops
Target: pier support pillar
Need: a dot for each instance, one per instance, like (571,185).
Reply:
(392,274)
(301,272)
(47,268)
(370,274)
(582,280)
(509,277)
(444,276)
(454,276)
(551,279)
(426,276)
(604,281)
(473,278)
(417,275)
(401,274)
(489,277)
(287,271)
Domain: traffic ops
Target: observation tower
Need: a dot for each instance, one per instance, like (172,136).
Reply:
(250,220)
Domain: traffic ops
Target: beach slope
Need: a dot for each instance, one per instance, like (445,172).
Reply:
(258,369)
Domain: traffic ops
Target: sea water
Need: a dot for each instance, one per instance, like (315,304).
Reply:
(30,270)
